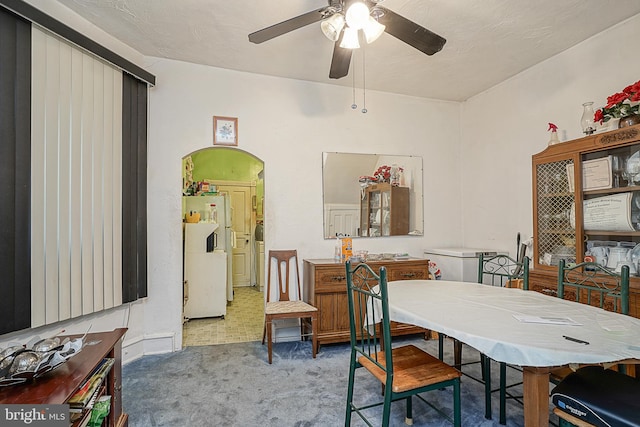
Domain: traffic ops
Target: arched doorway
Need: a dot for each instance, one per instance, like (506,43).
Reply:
(232,178)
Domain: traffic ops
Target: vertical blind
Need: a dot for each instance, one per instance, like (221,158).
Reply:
(76,182)
(15,149)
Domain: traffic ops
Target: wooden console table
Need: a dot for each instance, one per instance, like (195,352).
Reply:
(325,287)
(57,386)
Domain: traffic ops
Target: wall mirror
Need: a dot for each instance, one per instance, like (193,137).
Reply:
(360,203)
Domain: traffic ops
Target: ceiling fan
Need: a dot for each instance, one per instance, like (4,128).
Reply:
(342,21)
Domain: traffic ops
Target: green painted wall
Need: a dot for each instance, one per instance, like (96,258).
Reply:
(228,164)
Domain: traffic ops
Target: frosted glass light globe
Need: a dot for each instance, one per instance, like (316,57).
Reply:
(357,15)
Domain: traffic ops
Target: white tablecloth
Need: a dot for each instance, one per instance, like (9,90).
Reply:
(482,316)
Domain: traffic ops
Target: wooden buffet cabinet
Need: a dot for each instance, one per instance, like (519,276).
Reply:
(59,385)
(325,287)
(559,210)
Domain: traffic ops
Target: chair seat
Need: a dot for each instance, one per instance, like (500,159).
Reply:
(412,368)
(284,307)
(600,397)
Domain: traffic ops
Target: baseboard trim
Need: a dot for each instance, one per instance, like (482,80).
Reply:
(147,345)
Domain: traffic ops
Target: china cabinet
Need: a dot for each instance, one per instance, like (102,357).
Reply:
(325,287)
(586,206)
(384,210)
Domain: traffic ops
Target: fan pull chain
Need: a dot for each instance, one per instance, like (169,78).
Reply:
(364,83)
(354,105)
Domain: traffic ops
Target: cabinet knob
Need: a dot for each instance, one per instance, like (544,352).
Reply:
(338,278)
(408,274)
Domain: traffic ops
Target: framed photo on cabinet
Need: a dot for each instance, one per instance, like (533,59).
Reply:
(225,130)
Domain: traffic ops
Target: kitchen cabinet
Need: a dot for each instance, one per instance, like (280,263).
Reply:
(59,385)
(325,287)
(384,210)
(586,193)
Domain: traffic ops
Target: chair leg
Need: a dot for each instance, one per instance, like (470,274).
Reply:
(503,393)
(386,412)
(267,325)
(409,418)
(486,368)
(314,333)
(264,331)
(457,412)
(352,374)
(440,345)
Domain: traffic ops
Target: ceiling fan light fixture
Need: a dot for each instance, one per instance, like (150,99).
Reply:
(332,26)
(350,39)
(357,15)
(372,30)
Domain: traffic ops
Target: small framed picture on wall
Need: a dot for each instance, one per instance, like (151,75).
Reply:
(225,130)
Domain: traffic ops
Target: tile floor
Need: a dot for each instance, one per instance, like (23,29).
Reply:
(244,321)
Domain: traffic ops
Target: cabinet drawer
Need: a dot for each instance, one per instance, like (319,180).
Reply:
(407,273)
(331,279)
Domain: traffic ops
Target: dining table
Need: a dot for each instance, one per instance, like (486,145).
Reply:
(526,328)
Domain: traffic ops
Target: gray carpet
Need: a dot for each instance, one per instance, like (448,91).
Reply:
(233,385)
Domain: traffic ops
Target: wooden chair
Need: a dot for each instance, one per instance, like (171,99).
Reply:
(495,270)
(287,306)
(590,283)
(403,371)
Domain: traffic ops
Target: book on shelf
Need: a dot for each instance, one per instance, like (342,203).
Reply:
(85,393)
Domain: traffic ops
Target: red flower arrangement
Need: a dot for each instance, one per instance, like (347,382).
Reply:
(383,173)
(621,104)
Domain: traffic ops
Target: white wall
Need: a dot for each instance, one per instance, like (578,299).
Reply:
(287,124)
(504,126)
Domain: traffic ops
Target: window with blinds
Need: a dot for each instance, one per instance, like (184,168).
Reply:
(76,181)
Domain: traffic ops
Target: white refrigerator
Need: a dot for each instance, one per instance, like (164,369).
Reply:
(205,273)
(224,239)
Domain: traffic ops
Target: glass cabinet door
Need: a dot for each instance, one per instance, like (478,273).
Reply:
(555,214)
(611,207)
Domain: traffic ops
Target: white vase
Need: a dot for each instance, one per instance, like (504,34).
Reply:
(613,124)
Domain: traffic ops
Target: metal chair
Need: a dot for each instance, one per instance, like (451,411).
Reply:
(495,270)
(285,307)
(403,371)
(591,283)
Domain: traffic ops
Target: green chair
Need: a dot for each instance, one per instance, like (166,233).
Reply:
(593,284)
(504,271)
(590,283)
(403,371)
(495,270)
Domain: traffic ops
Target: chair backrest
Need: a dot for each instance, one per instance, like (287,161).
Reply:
(279,260)
(593,284)
(504,271)
(369,314)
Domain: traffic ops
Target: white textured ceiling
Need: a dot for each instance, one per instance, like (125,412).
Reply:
(487,40)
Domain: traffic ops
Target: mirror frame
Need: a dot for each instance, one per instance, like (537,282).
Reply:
(341,178)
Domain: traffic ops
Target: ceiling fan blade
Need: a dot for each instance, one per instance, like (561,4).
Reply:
(339,61)
(287,26)
(411,33)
